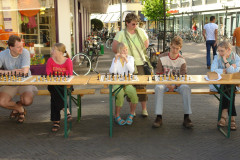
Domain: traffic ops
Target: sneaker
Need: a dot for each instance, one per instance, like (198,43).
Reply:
(187,123)
(157,123)
(144,113)
(134,114)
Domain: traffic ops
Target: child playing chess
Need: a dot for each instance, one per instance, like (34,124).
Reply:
(123,63)
(58,63)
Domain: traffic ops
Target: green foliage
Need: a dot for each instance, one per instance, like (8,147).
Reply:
(153,9)
(98,25)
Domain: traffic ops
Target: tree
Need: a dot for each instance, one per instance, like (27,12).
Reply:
(98,25)
(154,9)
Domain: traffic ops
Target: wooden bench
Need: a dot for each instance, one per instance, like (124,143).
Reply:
(79,92)
(152,91)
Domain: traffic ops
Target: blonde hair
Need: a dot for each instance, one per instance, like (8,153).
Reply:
(177,40)
(225,44)
(120,47)
(62,48)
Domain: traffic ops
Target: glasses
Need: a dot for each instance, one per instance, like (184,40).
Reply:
(134,24)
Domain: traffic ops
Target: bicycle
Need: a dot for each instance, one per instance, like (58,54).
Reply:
(152,54)
(83,63)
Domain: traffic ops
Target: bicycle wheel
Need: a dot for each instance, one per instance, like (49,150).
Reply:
(94,60)
(109,43)
(81,64)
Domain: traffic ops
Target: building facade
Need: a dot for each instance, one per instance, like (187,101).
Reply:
(187,12)
(41,23)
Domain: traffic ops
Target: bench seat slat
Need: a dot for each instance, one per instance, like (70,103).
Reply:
(75,92)
(152,91)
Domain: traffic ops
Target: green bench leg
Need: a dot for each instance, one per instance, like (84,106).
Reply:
(79,107)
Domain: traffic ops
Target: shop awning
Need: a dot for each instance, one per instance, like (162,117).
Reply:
(108,18)
(115,18)
(103,17)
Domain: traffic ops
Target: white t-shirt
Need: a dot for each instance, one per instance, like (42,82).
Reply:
(210,31)
(118,68)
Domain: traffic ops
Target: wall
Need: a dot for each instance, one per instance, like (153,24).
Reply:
(64,27)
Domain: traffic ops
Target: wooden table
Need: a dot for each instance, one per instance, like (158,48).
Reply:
(77,80)
(144,80)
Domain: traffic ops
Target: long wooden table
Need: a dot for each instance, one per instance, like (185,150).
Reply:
(77,80)
(147,80)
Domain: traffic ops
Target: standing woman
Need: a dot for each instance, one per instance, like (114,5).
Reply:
(136,40)
(59,63)
(226,62)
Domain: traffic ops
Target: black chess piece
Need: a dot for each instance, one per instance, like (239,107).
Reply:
(26,74)
(4,74)
(153,78)
(106,75)
(22,74)
(68,75)
(11,73)
(112,75)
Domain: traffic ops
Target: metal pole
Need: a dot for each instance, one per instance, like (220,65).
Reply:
(225,28)
(164,22)
(120,15)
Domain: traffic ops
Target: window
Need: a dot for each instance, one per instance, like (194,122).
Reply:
(33,21)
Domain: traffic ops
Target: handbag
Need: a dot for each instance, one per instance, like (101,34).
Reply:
(146,66)
(147,69)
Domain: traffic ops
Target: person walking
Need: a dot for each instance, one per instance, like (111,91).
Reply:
(210,33)
(136,40)
(236,40)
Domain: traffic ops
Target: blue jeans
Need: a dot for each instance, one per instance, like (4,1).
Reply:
(210,44)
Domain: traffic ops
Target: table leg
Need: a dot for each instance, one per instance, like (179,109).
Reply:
(110,111)
(65,113)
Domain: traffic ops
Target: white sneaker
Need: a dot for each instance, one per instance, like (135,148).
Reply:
(144,113)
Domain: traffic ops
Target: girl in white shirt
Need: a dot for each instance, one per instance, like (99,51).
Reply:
(123,63)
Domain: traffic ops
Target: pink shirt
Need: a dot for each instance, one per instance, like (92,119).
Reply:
(65,68)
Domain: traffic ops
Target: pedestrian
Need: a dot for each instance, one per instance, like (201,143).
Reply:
(58,64)
(171,63)
(124,64)
(236,38)
(136,40)
(210,33)
(14,61)
(194,29)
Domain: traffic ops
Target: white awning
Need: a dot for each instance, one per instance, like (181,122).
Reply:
(115,17)
(103,17)
(108,18)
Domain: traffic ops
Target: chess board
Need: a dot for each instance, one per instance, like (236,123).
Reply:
(14,78)
(105,78)
(189,78)
(52,79)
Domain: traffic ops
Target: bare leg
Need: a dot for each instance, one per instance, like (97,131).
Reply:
(144,105)
(117,111)
(6,102)
(132,108)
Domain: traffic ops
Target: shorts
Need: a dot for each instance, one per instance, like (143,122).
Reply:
(14,90)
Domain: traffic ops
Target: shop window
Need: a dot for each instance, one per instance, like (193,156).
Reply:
(33,21)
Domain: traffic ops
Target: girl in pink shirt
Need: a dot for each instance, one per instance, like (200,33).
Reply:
(60,64)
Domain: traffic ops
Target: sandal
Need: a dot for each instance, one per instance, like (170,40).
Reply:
(222,122)
(55,127)
(21,116)
(69,117)
(119,121)
(13,115)
(233,126)
(129,119)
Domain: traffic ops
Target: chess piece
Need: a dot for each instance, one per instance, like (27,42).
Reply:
(189,78)
(60,79)
(185,77)
(164,77)
(36,78)
(125,76)
(98,76)
(160,78)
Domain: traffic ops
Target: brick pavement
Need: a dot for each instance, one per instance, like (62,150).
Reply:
(89,138)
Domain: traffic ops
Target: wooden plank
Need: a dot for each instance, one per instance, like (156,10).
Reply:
(152,91)
(75,92)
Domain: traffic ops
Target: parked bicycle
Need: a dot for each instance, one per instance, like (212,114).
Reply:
(84,63)
(110,40)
